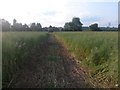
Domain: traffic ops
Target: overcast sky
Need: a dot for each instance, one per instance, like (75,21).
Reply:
(119,12)
(57,12)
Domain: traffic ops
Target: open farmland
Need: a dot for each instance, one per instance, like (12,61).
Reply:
(60,44)
(96,51)
(16,50)
(60,59)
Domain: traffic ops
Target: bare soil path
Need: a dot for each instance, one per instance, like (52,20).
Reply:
(50,66)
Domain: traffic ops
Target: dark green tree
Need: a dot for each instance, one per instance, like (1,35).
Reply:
(66,27)
(14,21)
(50,29)
(36,27)
(17,26)
(5,25)
(119,27)
(75,25)
(69,26)
(26,28)
(33,27)
(94,27)
(39,27)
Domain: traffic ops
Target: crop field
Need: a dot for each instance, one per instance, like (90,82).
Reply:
(16,48)
(96,51)
(56,58)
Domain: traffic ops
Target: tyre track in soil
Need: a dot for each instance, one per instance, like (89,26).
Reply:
(50,66)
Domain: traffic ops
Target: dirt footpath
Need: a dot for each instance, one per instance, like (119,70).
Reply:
(50,66)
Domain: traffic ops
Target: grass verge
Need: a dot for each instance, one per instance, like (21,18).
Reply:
(16,48)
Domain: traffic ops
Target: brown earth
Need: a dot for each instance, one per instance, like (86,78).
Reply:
(50,66)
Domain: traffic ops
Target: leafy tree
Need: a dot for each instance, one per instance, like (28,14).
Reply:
(5,25)
(75,25)
(17,26)
(39,27)
(66,27)
(33,27)
(119,27)
(36,27)
(50,29)
(69,26)
(50,26)
(14,21)
(94,27)
(26,28)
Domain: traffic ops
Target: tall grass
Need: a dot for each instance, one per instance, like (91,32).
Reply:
(97,51)
(16,47)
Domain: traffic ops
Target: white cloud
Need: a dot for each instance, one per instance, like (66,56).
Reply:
(48,12)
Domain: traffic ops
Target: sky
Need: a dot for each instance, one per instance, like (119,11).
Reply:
(57,12)
(119,12)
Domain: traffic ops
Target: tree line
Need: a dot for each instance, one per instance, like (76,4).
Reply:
(74,25)
(6,26)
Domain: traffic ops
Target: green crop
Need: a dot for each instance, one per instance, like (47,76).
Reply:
(16,48)
(97,51)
